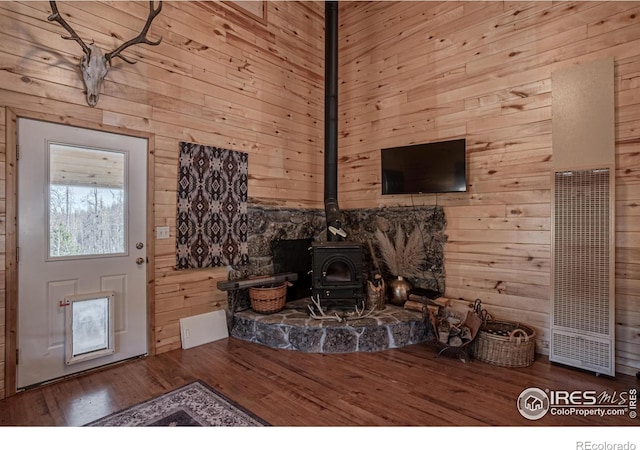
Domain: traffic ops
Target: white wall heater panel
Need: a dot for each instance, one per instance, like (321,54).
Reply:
(582,316)
(583,215)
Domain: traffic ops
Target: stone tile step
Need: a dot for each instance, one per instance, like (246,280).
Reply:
(293,329)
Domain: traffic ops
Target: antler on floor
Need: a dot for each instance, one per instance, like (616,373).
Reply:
(318,312)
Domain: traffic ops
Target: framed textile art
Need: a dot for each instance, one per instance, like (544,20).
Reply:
(212,207)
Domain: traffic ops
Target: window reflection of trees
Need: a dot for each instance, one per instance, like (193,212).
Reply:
(85,221)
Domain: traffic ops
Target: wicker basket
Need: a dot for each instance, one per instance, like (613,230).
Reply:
(506,344)
(268,300)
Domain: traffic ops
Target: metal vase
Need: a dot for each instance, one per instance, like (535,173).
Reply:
(399,291)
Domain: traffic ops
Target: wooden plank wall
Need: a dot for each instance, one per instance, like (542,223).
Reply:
(219,78)
(416,72)
(3,222)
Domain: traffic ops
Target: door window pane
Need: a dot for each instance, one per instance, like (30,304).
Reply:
(86,201)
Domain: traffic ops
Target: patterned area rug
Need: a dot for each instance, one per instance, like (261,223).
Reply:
(195,404)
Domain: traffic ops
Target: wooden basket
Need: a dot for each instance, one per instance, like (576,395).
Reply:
(506,344)
(268,300)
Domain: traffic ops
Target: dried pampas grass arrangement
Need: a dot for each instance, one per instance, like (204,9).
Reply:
(404,256)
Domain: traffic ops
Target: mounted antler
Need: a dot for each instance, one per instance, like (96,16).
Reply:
(93,64)
(140,39)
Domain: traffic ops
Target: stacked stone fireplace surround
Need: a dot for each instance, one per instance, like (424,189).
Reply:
(293,328)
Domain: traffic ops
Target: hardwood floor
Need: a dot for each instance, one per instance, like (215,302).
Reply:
(398,387)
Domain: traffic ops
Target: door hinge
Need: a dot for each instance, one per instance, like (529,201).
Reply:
(17,152)
(17,356)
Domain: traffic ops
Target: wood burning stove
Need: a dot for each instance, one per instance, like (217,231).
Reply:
(336,265)
(337,274)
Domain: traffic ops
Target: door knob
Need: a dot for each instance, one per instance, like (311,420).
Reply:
(139,260)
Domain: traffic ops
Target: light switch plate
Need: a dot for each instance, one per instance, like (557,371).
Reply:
(162,232)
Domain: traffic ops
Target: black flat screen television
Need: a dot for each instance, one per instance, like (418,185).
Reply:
(425,168)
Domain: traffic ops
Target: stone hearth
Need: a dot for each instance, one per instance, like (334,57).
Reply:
(293,329)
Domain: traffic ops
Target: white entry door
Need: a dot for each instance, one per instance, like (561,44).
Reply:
(81,250)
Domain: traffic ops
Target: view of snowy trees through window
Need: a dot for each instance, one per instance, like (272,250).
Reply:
(85,221)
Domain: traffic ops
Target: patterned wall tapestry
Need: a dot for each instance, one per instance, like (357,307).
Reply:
(212,207)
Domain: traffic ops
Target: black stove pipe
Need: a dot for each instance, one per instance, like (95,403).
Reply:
(332,210)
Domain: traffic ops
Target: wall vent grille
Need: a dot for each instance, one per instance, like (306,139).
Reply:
(582,326)
(587,353)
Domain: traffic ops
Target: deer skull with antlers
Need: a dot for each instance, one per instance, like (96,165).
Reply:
(94,65)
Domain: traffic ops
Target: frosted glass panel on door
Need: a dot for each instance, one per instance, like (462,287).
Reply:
(90,326)
(87,201)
